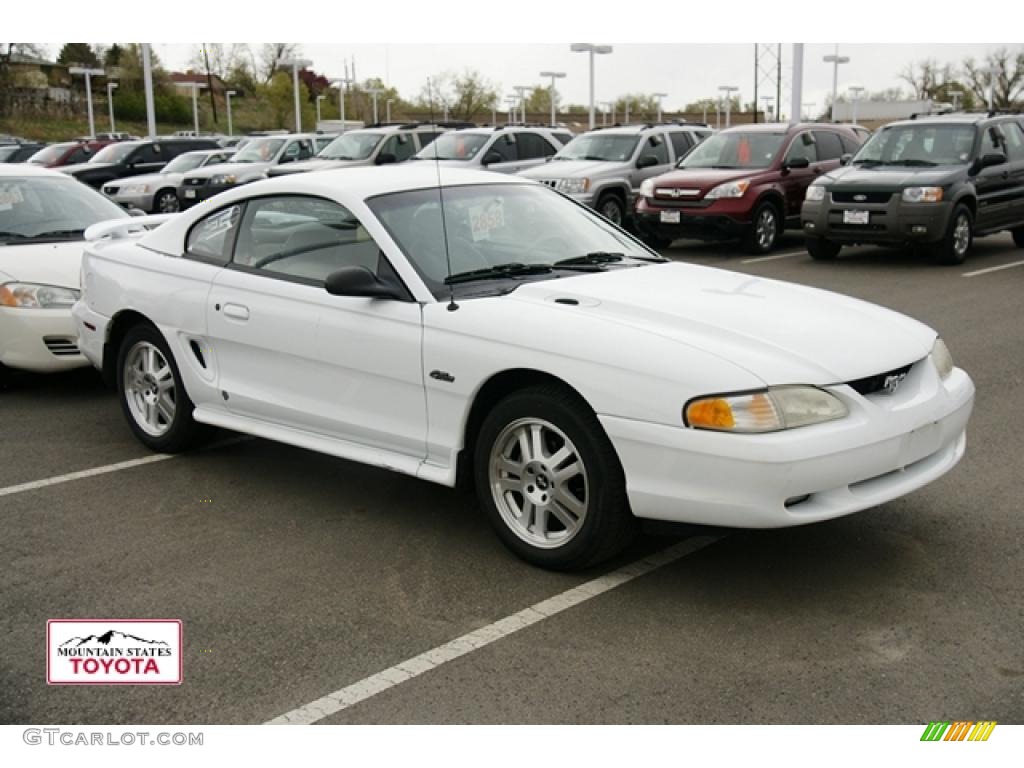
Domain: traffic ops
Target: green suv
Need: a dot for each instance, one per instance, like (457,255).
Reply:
(934,182)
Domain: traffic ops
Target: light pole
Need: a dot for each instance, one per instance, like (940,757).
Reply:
(768,101)
(591,49)
(319,98)
(991,72)
(110,104)
(856,90)
(227,96)
(808,109)
(147,81)
(835,60)
(375,92)
(340,84)
(728,90)
(520,90)
(552,93)
(955,96)
(659,97)
(88,92)
(625,116)
(494,112)
(196,87)
(387,110)
(296,64)
(606,107)
(511,101)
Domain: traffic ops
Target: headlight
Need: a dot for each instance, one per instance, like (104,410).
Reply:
(942,359)
(647,188)
(922,195)
(769,410)
(222,179)
(30,296)
(815,192)
(573,186)
(135,189)
(729,189)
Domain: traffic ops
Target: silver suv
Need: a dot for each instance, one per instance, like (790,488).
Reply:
(503,149)
(604,168)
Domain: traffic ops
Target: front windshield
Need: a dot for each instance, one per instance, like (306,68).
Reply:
(183,163)
(46,209)
(753,149)
(351,146)
(596,146)
(918,145)
(50,154)
(489,225)
(454,146)
(113,153)
(259,151)
(8,151)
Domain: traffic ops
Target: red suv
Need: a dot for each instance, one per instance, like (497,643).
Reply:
(745,183)
(69,152)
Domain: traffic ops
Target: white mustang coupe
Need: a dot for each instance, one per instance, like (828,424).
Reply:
(434,320)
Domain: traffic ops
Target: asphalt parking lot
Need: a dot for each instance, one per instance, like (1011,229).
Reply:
(297,575)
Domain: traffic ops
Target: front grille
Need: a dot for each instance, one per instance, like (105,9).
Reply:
(668,202)
(60,346)
(549,182)
(110,190)
(872,384)
(195,182)
(875,198)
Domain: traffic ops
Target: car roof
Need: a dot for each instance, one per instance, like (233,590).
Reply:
(360,182)
(954,118)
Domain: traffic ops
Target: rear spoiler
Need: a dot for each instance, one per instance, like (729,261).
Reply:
(117,229)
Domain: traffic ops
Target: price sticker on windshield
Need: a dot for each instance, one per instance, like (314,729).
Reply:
(9,197)
(484,219)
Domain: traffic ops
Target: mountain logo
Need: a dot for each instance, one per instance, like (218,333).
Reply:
(113,651)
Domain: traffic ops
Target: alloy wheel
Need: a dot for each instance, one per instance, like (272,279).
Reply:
(766,229)
(962,235)
(149,389)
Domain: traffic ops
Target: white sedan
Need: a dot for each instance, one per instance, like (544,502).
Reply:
(43,215)
(492,329)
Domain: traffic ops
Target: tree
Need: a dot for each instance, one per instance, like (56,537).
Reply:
(78,54)
(640,105)
(112,56)
(279,99)
(926,77)
(9,53)
(1003,71)
(271,57)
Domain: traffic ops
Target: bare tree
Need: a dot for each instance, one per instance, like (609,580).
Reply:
(9,52)
(927,77)
(271,57)
(1002,70)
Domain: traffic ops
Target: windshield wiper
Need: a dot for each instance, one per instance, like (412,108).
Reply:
(341,157)
(58,233)
(867,162)
(914,163)
(594,257)
(512,269)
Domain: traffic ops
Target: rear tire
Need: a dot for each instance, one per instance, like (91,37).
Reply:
(152,393)
(822,249)
(953,248)
(612,208)
(765,228)
(550,482)
(1018,237)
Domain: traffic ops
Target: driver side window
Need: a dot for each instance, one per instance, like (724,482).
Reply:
(803,146)
(306,238)
(655,145)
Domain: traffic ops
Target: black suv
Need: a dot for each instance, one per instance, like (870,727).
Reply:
(935,181)
(132,158)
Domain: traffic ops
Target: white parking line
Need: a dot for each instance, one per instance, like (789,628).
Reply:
(472,641)
(993,269)
(107,468)
(773,257)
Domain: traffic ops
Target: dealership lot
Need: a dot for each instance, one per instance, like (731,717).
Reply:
(297,575)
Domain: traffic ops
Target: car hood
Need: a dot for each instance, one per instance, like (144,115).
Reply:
(572,169)
(238,169)
(43,263)
(79,167)
(316,164)
(705,179)
(780,332)
(892,176)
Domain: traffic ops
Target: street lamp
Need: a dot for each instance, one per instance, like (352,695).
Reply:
(387,110)
(659,97)
(591,49)
(835,60)
(552,94)
(955,95)
(606,107)
(110,104)
(768,102)
(196,87)
(808,108)
(340,84)
(296,64)
(728,90)
(856,90)
(88,91)
(511,101)
(375,92)
(227,96)
(520,90)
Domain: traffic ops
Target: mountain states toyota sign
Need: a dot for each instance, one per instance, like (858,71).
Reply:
(113,651)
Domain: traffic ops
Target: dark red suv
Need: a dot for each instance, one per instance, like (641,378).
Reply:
(745,183)
(69,152)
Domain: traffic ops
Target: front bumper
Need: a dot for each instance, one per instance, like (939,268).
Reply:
(893,221)
(40,340)
(189,195)
(888,446)
(726,219)
(141,201)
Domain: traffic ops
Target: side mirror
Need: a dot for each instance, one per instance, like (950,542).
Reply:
(845,159)
(492,157)
(797,162)
(646,161)
(358,281)
(993,158)
(287,159)
(386,158)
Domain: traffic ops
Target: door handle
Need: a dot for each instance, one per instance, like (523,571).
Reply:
(236,312)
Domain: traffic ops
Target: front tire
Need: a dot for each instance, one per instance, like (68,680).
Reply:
(822,249)
(612,208)
(152,394)
(765,229)
(166,201)
(953,248)
(550,481)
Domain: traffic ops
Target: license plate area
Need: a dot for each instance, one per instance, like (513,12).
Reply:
(856,217)
(190,193)
(669,217)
